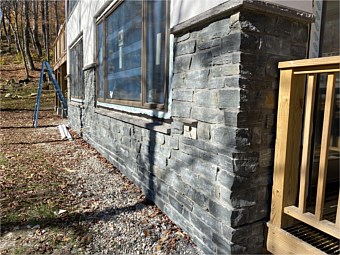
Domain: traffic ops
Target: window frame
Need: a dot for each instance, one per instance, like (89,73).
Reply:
(142,103)
(80,84)
(70,7)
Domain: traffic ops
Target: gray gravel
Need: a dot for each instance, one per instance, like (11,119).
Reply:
(121,220)
(99,211)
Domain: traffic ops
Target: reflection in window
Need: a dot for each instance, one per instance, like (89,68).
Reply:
(329,46)
(70,5)
(131,54)
(76,70)
(124,51)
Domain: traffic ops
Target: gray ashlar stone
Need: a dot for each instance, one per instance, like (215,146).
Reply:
(197,79)
(186,47)
(216,83)
(213,116)
(182,95)
(181,199)
(220,212)
(224,59)
(182,38)
(205,169)
(231,43)
(201,60)
(177,127)
(206,43)
(176,204)
(182,64)
(231,181)
(216,29)
(277,47)
(181,109)
(229,98)
(246,166)
(178,81)
(223,135)
(225,70)
(202,145)
(174,142)
(203,131)
(239,198)
(184,158)
(196,196)
(200,225)
(206,98)
(205,217)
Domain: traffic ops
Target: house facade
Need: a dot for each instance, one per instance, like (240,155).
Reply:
(182,98)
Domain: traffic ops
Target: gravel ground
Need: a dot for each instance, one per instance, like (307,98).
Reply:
(123,220)
(111,213)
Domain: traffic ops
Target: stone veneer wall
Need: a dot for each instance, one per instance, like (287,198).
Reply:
(210,170)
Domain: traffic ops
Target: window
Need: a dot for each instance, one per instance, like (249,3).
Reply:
(76,70)
(70,5)
(329,43)
(132,54)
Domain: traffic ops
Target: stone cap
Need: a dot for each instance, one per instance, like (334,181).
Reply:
(232,6)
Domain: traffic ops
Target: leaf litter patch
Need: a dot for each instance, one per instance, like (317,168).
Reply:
(62,197)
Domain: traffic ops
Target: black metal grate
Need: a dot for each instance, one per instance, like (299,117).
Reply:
(315,237)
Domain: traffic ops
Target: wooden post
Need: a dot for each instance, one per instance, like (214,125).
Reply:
(307,138)
(337,219)
(326,131)
(287,149)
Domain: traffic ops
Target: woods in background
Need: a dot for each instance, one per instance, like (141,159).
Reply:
(29,27)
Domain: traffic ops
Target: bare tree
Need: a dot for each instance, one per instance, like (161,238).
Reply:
(43,21)
(6,8)
(26,36)
(47,28)
(57,24)
(7,32)
(15,29)
(35,36)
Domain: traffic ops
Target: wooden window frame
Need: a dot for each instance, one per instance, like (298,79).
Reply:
(80,84)
(142,103)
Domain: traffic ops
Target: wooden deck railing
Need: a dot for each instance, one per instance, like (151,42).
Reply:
(60,48)
(292,168)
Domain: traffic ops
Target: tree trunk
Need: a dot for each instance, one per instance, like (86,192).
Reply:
(43,22)
(7,33)
(35,36)
(57,25)
(16,33)
(47,27)
(26,37)
(8,8)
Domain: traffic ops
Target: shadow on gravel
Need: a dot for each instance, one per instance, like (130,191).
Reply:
(23,110)
(40,142)
(28,127)
(73,219)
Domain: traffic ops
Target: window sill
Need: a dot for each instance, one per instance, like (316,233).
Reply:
(135,110)
(76,103)
(150,124)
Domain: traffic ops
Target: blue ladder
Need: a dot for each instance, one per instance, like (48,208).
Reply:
(57,88)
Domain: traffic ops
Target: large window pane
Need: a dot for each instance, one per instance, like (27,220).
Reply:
(124,52)
(155,51)
(76,70)
(330,29)
(131,54)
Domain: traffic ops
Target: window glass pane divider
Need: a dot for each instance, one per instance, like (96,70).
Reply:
(104,58)
(167,56)
(144,62)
